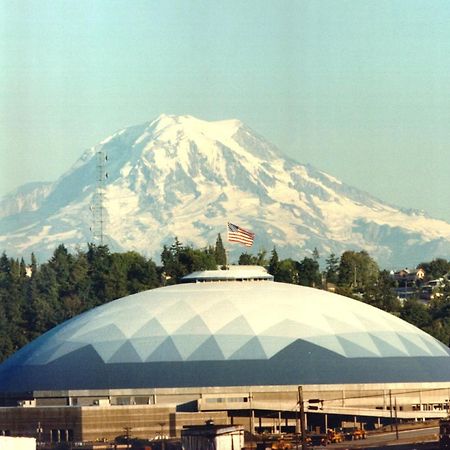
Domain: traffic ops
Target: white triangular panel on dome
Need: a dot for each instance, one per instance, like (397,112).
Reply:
(188,344)
(103,332)
(251,350)
(292,328)
(386,348)
(208,351)
(176,315)
(238,325)
(150,329)
(313,318)
(394,340)
(261,322)
(106,349)
(230,344)
(273,344)
(341,324)
(129,327)
(64,349)
(415,345)
(361,340)
(328,342)
(434,346)
(372,322)
(351,347)
(145,346)
(167,351)
(126,353)
(194,326)
(218,315)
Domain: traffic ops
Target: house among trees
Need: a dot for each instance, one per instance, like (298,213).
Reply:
(409,276)
(408,282)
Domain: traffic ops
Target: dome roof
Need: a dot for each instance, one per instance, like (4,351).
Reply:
(227,333)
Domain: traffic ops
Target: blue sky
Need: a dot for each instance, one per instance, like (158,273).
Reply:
(359,89)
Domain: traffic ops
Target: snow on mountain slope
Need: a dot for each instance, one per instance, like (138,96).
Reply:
(185,177)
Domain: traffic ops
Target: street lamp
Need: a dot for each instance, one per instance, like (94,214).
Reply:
(127,435)
(39,432)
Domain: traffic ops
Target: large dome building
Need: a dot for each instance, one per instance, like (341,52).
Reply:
(233,341)
(227,334)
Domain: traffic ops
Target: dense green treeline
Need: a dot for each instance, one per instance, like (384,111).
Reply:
(36,297)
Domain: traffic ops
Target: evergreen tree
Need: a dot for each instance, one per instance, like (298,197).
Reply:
(381,294)
(219,252)
(332,269)
(309,273)
(61,263)
(245,259)
(172,266)
(45,306)
(416,313)
(274,263)
(287,271)
(33,265)
(435,269)
(12,301)
(99,271)
(316,255)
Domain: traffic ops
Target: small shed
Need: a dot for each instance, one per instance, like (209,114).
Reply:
(213,437)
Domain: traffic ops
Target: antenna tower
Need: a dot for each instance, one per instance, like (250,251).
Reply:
(97,207)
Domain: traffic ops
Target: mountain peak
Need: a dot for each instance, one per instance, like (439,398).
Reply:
(168,126)
(182,176)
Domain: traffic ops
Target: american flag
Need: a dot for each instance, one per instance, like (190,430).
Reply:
(240,235)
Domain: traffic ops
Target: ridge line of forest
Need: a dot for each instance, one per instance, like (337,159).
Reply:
(36,297)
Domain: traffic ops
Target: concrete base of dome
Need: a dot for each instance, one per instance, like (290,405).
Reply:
(95,414)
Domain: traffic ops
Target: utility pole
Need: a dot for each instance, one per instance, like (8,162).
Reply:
(396,420)
(252,414)
(301,407)
(390,406)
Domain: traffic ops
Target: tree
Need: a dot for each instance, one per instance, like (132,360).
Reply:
(416,313)
(44,302)
(435,269)
(274,263)
(315,255)
(179,261)
(381,293)
(357,270)
(194,260)
(332,269)
(141,274)
(219,252)
(61,262)
(99,262)
(309,273)
(287,271)
(251,260)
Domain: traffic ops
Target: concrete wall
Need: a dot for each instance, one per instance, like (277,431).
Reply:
(17,443)
(81,424)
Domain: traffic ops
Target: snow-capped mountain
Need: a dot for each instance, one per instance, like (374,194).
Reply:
(185,177)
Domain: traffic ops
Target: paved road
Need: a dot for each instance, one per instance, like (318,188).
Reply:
(419,438)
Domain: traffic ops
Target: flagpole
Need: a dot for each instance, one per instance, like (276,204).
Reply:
(226,250)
